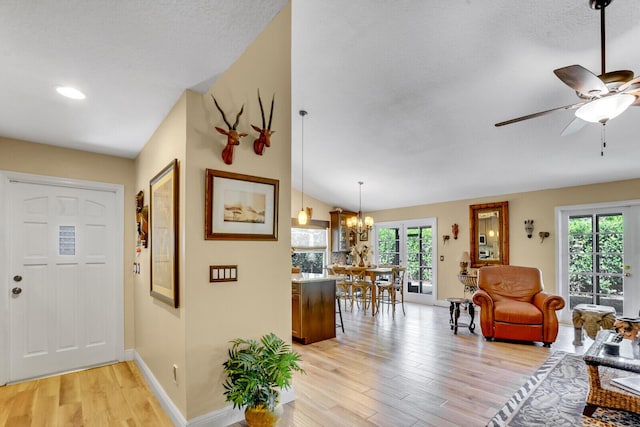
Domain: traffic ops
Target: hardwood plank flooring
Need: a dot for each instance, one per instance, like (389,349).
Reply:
(407,371)
(410,371)
(114,395)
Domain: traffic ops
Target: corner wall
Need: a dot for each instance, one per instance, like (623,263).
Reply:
(259,302)
(160,331)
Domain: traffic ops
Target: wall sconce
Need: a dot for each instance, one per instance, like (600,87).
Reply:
(445,238)
(528,227)
(454,231)
(543,235)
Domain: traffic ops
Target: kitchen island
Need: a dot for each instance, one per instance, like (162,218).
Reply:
(313,307)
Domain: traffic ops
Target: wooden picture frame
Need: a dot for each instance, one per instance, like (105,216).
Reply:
(163,219)
(240,207)
(489,228)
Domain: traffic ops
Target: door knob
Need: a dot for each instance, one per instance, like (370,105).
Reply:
(16,291)
(17,278)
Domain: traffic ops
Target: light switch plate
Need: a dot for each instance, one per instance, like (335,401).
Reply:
(223,273)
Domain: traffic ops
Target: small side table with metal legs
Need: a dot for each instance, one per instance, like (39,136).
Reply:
(454,314)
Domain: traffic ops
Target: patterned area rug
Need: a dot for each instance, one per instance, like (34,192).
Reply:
(555,396)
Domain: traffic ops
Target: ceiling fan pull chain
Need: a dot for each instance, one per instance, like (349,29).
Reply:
(603,142)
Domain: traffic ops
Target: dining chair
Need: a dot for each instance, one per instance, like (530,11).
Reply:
(361,288)
(391,292)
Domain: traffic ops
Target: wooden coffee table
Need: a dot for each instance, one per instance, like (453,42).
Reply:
(602,367)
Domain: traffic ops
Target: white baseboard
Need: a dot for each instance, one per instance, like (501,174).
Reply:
(167,404)
(220,418)
(129,354)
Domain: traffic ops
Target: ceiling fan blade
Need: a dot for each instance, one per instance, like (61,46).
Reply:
(636,93)
(574,126)
(581,80)
(626,85)
(541,113)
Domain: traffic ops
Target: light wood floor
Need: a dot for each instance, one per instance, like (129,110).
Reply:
(114,395)
(410,371)
(407,371)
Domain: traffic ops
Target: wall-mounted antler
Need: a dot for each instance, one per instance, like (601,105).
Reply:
(233,137)
(264,139)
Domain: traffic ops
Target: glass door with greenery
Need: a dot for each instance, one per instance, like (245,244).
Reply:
(412,245)
(596,260)
(598,253)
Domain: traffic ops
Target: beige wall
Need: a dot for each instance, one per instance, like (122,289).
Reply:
(320,209)
(160,328)
(260,301)
(196,335)
(41,159)
(537,205)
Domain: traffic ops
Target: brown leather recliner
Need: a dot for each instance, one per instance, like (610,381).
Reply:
(514,306)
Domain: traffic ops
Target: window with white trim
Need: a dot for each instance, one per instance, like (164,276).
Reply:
(309,248)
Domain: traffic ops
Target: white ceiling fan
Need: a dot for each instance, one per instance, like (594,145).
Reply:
(603,97)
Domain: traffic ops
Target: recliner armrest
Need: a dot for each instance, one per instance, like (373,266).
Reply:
(485,302)
(483,299)
(547,302)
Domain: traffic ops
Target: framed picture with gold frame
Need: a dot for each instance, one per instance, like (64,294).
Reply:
(163,221)
(240,207)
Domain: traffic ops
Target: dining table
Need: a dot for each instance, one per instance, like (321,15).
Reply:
(372,273)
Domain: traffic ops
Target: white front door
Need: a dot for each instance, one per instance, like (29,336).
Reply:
(63,288)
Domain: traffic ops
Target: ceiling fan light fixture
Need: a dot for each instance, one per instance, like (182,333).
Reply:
(70,92)
(604,109)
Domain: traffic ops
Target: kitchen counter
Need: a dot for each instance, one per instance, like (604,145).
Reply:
(313,307)
(311,277)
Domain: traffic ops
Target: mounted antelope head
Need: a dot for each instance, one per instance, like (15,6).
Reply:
(264,139)
(233,137)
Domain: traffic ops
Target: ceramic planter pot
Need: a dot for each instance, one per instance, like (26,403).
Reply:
(260,416)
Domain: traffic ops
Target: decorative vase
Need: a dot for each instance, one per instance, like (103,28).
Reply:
(260,416)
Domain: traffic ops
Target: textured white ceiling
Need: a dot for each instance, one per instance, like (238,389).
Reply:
(402,95)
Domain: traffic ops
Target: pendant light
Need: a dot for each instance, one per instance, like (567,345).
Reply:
(302,215)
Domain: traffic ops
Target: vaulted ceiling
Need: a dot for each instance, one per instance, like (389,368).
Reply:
(402,95)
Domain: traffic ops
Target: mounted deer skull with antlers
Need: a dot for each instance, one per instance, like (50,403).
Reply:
(264,139)
(233,137)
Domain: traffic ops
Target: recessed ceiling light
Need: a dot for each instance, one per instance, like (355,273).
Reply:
(70,92)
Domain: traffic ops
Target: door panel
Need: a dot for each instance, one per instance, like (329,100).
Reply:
(62,244)
(598,256)
(411,245)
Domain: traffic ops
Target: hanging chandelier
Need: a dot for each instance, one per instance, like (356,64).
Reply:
(359,224)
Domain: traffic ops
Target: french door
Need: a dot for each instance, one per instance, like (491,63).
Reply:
(599,257)
(411,244)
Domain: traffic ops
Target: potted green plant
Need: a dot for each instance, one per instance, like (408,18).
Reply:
(256,372)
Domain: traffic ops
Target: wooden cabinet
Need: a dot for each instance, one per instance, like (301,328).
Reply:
(313,310)
(341,237)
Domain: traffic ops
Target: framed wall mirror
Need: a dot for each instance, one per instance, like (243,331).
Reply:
(489,231)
